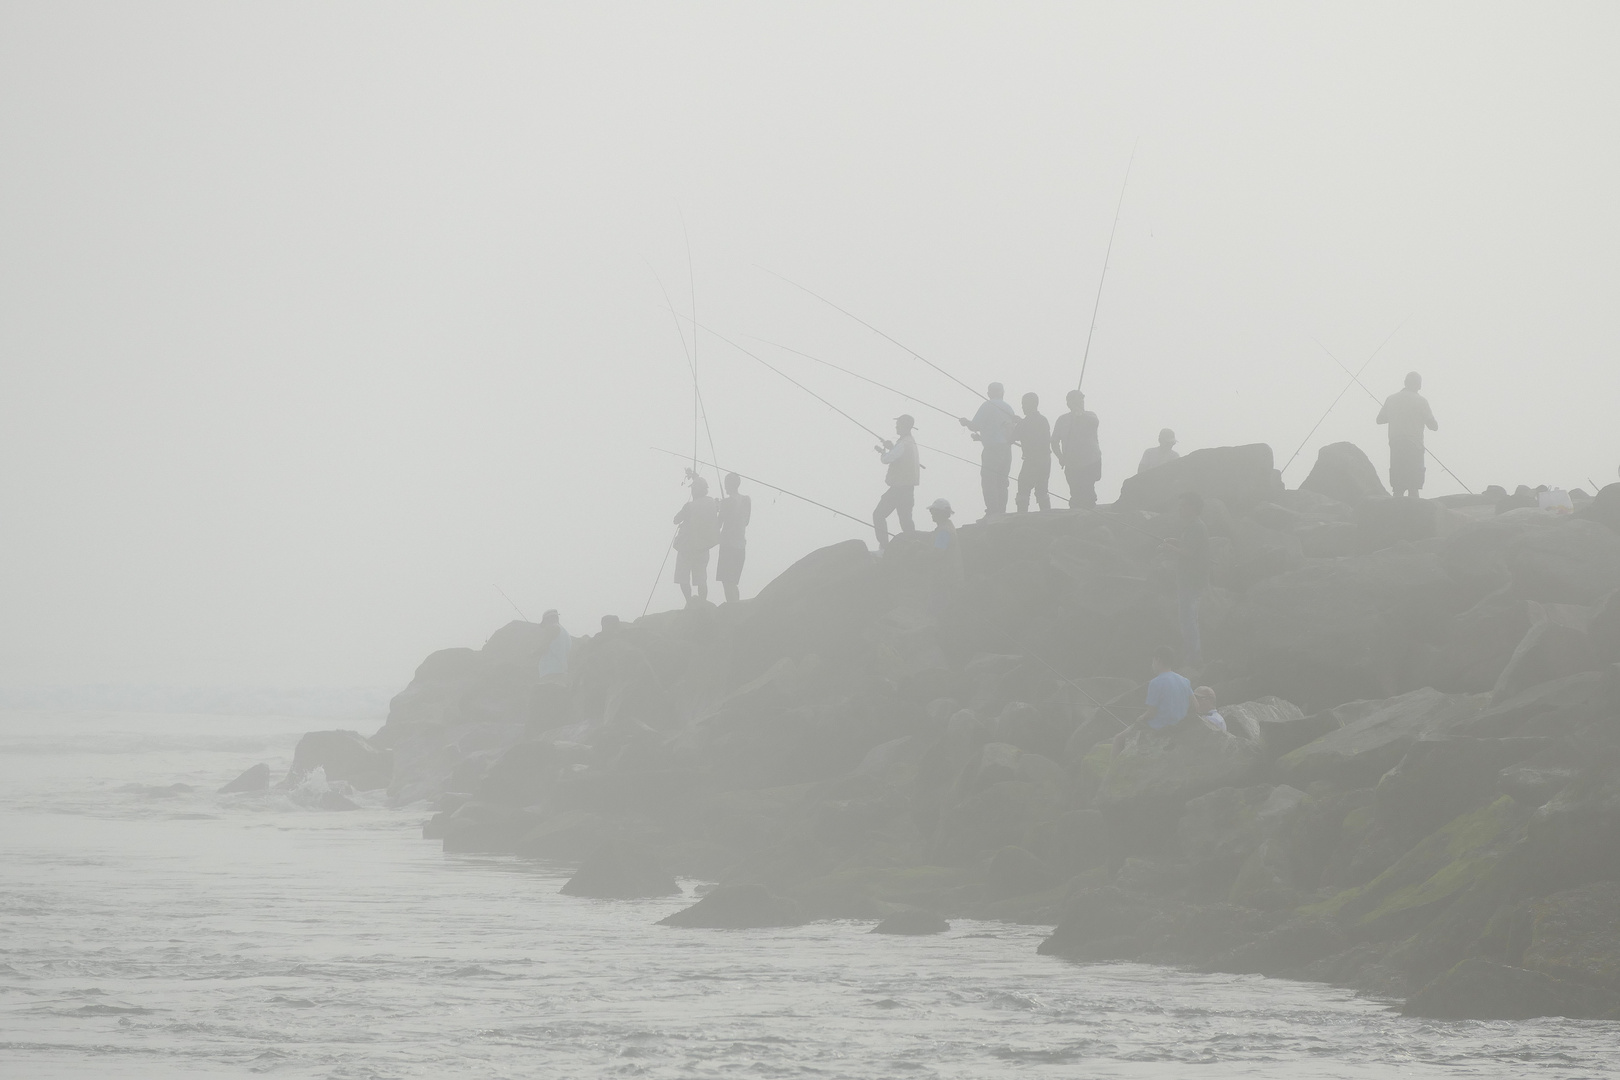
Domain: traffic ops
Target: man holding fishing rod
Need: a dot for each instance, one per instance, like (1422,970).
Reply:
(992,427)
(905,473)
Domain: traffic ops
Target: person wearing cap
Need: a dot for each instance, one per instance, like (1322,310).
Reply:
(736,511)
(1034,438)
(992,427)
(1407,413)
(903,477)
(945,570)
(1163,454)
(1074,441)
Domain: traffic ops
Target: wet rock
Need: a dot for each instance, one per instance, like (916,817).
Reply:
(1386,522)
(1438,779)
(522,774)
(621,871)
(737,907)
(914,921)
(1075,842)
(1016,872)
(1575,935)
(1239,476)
(1479,989)
(1571,838)
(1544,774)
(1361,750)
(1277,725)
(484,828)
(1104,924)
(1001,815)
(1479,643)
(1168,771)
(346,757)
(1603,631)
(1343,472)
(1221,830)
(1283,951)
(568,836)
(1554,709)
(255,779)
(1571,562)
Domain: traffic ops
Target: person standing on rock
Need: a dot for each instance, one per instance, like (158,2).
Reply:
(905,473)
(554,660)
(1407,413)
(1034,438)
(736,511)
(699,522)
(1191,549)
(1163,454)
(1169,698)
(945,569)
(1074,441)
(992,427)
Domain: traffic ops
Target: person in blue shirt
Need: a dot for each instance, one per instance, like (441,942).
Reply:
(1169,698)
(992,427)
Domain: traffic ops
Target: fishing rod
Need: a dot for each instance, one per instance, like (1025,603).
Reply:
(857,375)
(661,565)
(773,487)
(691,364)
(1336,400)
(1096,304)
(509,600)
(876,331)
(1374,397)
(789,378)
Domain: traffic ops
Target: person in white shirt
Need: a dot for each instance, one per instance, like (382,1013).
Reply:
(903,476)
(1204,709)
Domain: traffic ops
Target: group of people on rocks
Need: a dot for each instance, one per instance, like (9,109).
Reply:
(704,524)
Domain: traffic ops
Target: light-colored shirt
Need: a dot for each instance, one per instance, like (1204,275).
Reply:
(1215,720)
(555,659)
(994,422)
(1407,413)
(1170,697)
(901,458)
(1156,456)
(1074,437)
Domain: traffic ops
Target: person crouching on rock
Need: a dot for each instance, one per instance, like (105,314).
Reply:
(1204,709)
(1169,698)
(945,570)
(699,522)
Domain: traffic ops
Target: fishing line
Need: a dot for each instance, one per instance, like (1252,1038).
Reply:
(1096,304)
(1343,392)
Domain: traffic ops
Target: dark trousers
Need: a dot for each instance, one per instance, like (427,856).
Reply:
(897,500)
(1035,476)
(995,473)
(1082,485)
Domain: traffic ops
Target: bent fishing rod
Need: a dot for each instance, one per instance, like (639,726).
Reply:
(1374,397)
(876,331)
(1353,379)
(773,487)
(1096,304)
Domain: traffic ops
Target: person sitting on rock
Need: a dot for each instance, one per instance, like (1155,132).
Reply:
(1163,454)
(945,573)
(1169,698)
(1204,709)
(699,522)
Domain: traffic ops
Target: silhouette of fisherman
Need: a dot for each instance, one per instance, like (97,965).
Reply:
(993,426)
(699,522)
(1407,413)
(1074,440)
(903,476)
(1191,549)
(736,511)
(945,562)
(1163,454)
(554,659)
(1034,438)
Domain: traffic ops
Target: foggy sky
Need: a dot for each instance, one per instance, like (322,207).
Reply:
(319,321)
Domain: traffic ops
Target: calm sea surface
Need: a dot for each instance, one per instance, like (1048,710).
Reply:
(152,931)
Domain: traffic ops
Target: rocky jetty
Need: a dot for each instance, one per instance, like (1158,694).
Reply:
(1419,794)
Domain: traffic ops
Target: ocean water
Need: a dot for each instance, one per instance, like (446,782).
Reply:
(155,930)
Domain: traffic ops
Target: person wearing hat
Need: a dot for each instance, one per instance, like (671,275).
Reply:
(903,477)
(1163,454)
(945,572)
(1407,413)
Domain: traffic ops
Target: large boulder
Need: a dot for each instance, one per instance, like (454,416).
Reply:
(1603,631)
(819,605)
(1238,476)
(1555,646)
(1345,473)
(346,756)
(1151,769)
(1478,643)
(1219,831)
(1438,779)
(1569,562)
(1480,989)
(621,871)
(1575,935)
(1362,749)
(738,907)
(1351,628)
(253,780)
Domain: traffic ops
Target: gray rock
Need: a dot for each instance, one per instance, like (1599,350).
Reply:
(345,756)
(255,779)
(1239,476)
(1479,643)
(1438,779)
(737,907)
(1386,522)
(1284,951)
(1555,646)
(1603,631)
(1362,750)
(1575,935)
(1016,872)
(621,871)
(1572,562)
(1479,989)
(1151,769)
(1344,472)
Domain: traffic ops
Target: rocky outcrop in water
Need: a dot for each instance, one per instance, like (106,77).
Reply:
(1419,794)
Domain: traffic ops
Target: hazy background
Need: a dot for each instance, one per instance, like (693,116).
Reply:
(317,321)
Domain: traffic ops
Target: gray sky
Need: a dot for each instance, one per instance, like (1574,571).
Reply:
(317,321)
